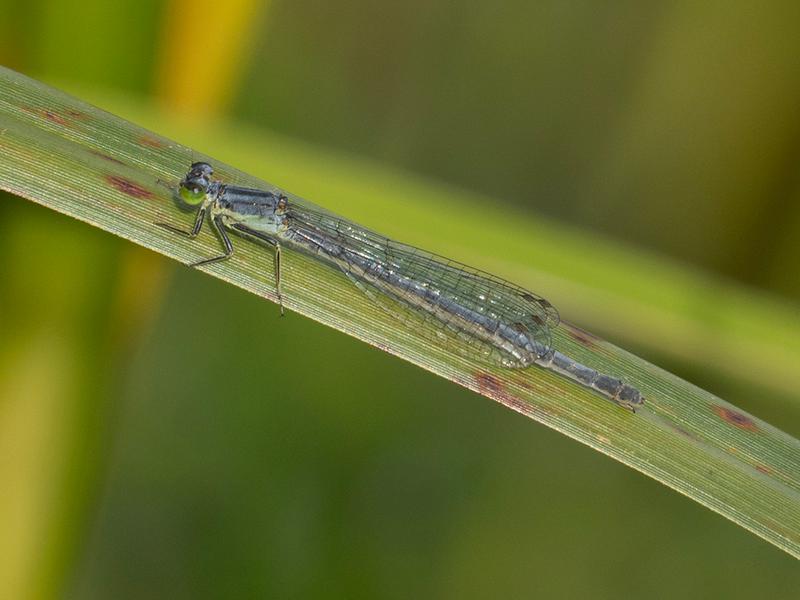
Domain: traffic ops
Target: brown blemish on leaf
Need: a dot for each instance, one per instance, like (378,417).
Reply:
(76,114)
(582,337)
(150,141)
(47,114)
(63,120)
(490,386)
(126,186)
(764,469)
(684,433)
(106,157)
(735,418)
(55,118)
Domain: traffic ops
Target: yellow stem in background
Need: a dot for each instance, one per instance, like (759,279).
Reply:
(205,45)
(36,384)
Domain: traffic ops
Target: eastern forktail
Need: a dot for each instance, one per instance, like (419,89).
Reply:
(488,317)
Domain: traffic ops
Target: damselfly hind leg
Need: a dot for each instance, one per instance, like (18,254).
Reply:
(278,275)
(226,242)
(262,237)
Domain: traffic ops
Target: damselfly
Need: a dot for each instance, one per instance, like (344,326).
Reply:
(487,317)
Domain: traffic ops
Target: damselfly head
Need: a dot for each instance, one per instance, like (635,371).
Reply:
(201,169)
(194,187)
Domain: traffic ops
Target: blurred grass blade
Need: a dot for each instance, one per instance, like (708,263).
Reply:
(86,163)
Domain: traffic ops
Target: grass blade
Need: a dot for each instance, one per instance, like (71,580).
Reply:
(78,160)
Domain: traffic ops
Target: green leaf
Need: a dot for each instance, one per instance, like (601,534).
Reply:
(76,159)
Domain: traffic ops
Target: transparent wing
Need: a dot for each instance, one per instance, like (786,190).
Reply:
(477,291)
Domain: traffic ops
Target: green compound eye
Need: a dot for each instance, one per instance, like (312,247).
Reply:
(192,195)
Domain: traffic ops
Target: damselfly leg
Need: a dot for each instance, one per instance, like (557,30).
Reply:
(243,229)
(216,222)
(198,225)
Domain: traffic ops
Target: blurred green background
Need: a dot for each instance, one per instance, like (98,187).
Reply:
(145,451)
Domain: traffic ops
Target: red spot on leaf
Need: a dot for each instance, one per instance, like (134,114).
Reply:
(582,337)
(127,186)
(490,386)
(106,157)
(683,432)
(735,418)
(55,118)
(150,141)
(76,114)
(64,119)
(764,469)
